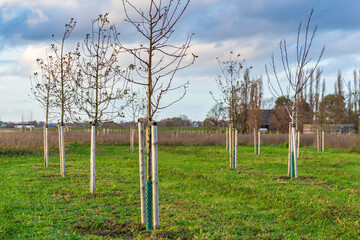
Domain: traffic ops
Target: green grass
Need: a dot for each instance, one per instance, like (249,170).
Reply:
(200,197)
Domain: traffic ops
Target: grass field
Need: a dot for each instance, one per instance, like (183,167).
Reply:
(200,197)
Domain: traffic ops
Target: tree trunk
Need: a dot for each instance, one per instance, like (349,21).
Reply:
(92,158)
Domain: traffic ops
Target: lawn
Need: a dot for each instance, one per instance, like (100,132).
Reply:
(200,197)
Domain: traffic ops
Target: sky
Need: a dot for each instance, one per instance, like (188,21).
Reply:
(252,28)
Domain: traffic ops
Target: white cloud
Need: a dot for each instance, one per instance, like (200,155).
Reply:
(46,3)
(37,16)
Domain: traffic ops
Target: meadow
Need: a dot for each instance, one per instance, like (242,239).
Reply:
(200,197)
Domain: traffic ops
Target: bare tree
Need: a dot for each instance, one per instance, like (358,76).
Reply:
(217,114)
(136,109)
(233,85)
(63,91)
(42,88)
(298,75)
(156,61)
(98,85)
(256,99)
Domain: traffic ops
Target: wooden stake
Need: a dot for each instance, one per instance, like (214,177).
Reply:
(92,158)
(227,139)
(230,145)
(259,142)
(236,148)
(63,173)
(46,145)
(323,141)
(155,182)
(142,171)
(298,143)
(294,146)
(255,142)
(132,132)
(317,141)
(232,164)
(289,154)
(60,151)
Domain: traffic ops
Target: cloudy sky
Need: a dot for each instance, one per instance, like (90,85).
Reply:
(252,28)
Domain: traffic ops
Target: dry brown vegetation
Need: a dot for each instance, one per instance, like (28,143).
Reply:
(17,142)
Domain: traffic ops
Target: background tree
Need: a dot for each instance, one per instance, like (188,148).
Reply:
(254,108)
(156,62)
(217,114)
(279,119)
(42,87)
(98,85)
(298,75)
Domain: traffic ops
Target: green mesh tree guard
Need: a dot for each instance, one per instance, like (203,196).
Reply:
(320,147)
(257,149)
(233,159)
(292,166)
(149,225)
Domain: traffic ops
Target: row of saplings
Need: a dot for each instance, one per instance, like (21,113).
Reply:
(294,147)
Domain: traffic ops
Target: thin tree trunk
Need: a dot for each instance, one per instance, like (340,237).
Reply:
(154,166)
(92,158)
(142,171)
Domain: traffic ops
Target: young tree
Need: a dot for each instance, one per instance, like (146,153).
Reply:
(232,85)
(136,108)
(63,74)
(42,87)
(98,85)
(298,75)
(156,62)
